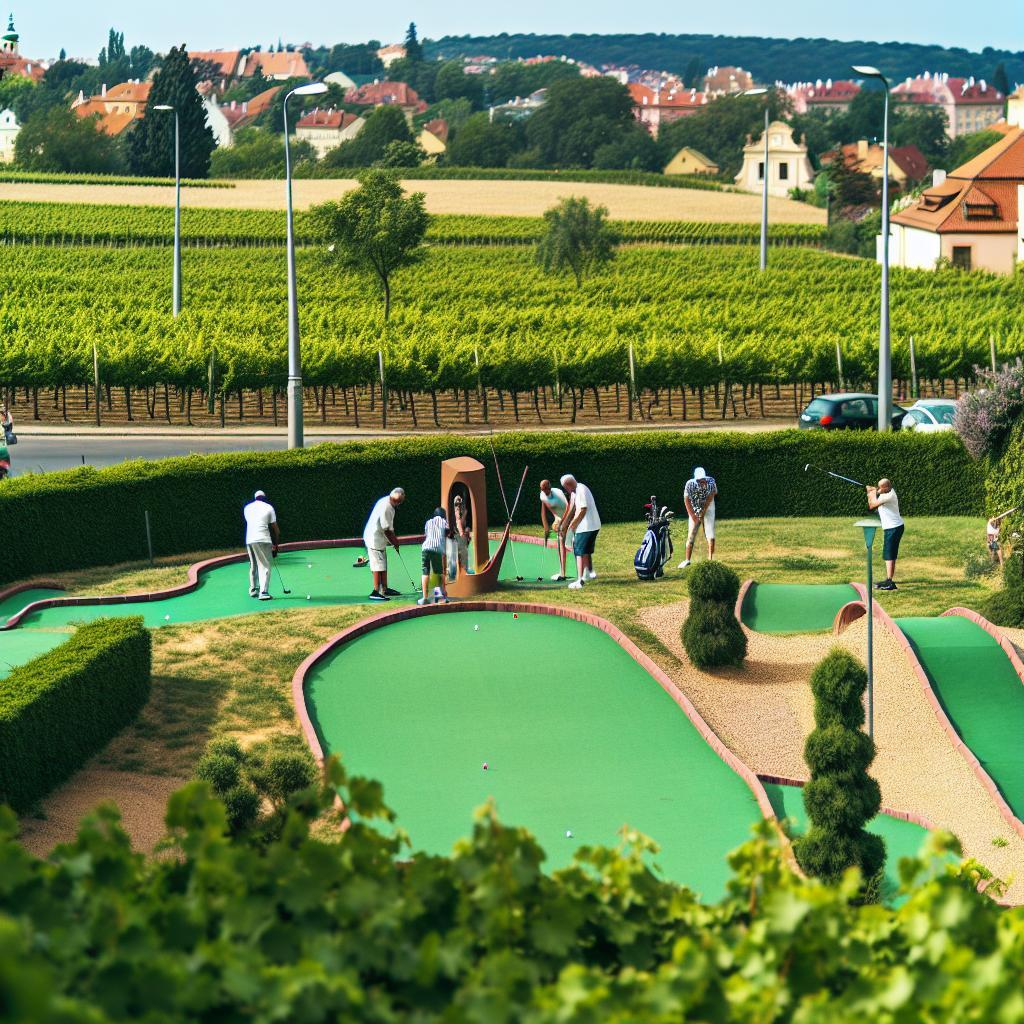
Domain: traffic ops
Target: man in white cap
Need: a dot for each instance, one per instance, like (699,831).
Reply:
(699,499)
(261,540)
(585,523)
(378,532)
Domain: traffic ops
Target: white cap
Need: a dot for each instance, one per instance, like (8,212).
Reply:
(699,474)
(260,494)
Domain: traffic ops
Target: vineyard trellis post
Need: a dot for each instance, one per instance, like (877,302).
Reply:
(839,366)
(913,370)
(383,390)
(96,380)
(632,380)
(211,378)
(992,349)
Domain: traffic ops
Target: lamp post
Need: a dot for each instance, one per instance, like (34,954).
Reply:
(764,180)
(869,526)
(294,355)
(884,350)
(176,287)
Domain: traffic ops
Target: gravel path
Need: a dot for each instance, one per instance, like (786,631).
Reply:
(764,711)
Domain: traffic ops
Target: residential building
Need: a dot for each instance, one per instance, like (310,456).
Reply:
(278,66)
(690,161)
(834,97)
(969,105)
(325,130)
(340,79)
(788,164)
(117,108)
(433,137)
(654,108)
(221,63)
(226,119)
(907,164)
(1015,107)
(727,81)
(521,106)
(389,54)
(9,129)
(969,217)
(386,94)
(11,61)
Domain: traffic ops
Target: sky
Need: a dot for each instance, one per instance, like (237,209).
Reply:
(47,25)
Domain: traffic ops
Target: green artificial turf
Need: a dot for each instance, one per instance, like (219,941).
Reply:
(902,838)
(794,607)
(15,602)
(980,692)
(18,646)
(577,736)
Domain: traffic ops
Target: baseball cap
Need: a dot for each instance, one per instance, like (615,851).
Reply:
(260,494)
(699,474)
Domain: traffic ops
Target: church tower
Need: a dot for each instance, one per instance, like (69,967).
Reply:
(9,40)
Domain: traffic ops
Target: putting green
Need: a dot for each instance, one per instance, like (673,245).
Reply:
(794,607)
(902,838)
(325,574)
(577,736)
(15,602)
(980,692)
(19,646)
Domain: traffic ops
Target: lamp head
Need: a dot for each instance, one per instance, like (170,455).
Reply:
(867,70)
(312,89)
(754,92)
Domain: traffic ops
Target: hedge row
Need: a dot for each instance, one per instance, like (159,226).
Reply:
(327,490)
(16,175)
(59,709)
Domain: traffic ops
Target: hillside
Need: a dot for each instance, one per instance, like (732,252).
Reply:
(768,59)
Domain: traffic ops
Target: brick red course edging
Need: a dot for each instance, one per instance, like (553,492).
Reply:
(387,618)
(954,737)
(18,588)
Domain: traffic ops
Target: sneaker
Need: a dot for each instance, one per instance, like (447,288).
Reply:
(266,597)
(558,578)
(420,601)
(889,585)
(392,593)
(374,596)
(882,585)
(360,563)
(253,593)
(576,585)
(589,574)
(684,563)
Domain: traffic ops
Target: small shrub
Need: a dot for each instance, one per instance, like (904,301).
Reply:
(711,635)
(243,806)
(1006,606)
(984,417)
(713,581)
(977,565)
(285,774)
(220,771)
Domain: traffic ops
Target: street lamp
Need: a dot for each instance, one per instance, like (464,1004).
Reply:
(869,526)
(176,300)
(764,182)
(884,351)
(294,356)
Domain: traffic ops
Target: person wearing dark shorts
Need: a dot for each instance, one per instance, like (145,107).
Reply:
(882,499)
(582,518)
(435,540)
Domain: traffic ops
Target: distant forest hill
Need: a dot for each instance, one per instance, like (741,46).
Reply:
(768,60)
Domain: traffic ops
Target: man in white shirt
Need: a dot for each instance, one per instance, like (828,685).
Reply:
(883,500)
(377,534)
(261,540)
(699,499)
(553,506)
(583,519)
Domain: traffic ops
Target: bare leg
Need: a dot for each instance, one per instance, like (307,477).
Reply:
(561,553)
(890,568)
(426,583)
(711,549)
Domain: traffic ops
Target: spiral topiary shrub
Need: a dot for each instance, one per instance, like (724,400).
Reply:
(711,635)
(841,797)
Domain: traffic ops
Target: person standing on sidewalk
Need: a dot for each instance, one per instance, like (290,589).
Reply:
(699,499)
(261,540)
(882,499)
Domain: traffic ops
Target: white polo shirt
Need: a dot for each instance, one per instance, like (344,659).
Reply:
(583,498)
(259,515)
(381,518)
(889,510)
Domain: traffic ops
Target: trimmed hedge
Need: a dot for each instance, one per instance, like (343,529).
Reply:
(328,489)
(57,710)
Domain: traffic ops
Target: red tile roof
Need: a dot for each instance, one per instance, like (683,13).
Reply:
(964,91)
(910,160)
(380,94)
(339,119)
(226,61)
(438,127)
(128,92)
(675,98)
(288,64)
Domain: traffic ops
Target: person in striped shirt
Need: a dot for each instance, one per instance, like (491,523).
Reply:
(435,537)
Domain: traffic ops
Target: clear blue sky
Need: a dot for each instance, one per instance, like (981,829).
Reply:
(81,28)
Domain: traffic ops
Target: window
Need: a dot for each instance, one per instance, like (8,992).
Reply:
(783,171)
(962,257)
(760,170)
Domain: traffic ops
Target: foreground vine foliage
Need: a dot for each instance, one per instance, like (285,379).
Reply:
(304,925)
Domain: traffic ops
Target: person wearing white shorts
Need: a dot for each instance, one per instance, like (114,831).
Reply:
(699,499)
(377,534)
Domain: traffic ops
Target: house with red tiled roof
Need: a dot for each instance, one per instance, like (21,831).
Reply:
(390,53)
(433,137)
(11,61)
(117,108)
(221,63)
(278,66)
(655,107)
(969,217)
(226,119)
(969,105)
(325,130)
(727,81)
(907,164)
(387,94)
(834,97)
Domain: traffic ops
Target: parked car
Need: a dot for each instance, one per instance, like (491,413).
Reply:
(930,415)
(846,412)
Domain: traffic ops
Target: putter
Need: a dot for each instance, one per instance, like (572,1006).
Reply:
(412,582)
(504,499)
(280,579)
(828,472)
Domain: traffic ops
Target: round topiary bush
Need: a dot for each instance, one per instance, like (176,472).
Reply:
(220,771)
(243,808)
(711,635)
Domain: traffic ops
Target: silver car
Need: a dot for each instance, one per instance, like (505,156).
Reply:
(930,415)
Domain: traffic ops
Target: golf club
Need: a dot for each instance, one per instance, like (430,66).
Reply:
(412,582)
(515,505)
(504,499)
(828,472)
(280,579)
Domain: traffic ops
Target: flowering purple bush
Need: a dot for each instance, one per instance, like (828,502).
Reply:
(984,417)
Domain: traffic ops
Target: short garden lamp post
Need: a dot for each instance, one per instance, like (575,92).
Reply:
(869,526)
(764,181)
(176,296)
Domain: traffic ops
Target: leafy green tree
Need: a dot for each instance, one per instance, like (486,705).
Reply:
(967,147)
(482,143)
(452,83)
(59,140)
(840,798)
(455,112)
(151,142)
(375,230)
(711,635)
(513,78)
(924,127)
(402,154)
(413,48)
(577,238)
(258,153)
(692,76)
(421,75)
(1000,79)
(635,150)
(383,126)
(353,59)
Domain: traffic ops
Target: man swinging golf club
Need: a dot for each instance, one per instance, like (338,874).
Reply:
(553,506)
(882,499)
(699,499)
(261,540)
(377,534)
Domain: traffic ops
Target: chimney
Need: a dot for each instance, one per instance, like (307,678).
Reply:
(103,89)
(245,106)
(862,150)
(938,177)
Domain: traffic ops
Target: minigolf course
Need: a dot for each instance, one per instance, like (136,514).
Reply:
(578,738)
(793,607)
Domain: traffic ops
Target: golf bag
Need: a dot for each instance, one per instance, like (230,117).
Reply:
(656,547)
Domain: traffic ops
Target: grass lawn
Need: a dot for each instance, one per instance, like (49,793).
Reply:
(232,676)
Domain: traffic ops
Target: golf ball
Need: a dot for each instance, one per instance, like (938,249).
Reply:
(309,597)
(568,833)
(167,618)
(485,766)
(476,628)
(309,565)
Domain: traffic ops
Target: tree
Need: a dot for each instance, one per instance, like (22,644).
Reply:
(59,140)
(374,230)
(413,48)
(967,147)
(711,635)
(577,237)
(692,77)
(924,127)
(482,143)
(1000,79)
(63,55)
(402,154)
(635,150)
(383,126)
(258,153)
(452,83)
(840,797)
(419,74)
(151,142)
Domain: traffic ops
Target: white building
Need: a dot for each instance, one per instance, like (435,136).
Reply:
(788,165)
(325,130)
(9,129)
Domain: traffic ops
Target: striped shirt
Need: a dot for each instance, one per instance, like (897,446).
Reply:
(435,530)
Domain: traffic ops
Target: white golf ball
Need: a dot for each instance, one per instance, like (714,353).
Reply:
(309,565)
(476,628)
(568,833)
(309,597)
(167,618)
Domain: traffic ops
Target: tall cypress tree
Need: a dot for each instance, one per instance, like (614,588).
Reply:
(151,142)
(413,47)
